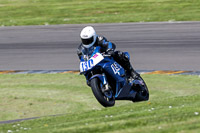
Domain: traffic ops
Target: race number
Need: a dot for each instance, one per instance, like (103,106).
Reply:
(94,60)
(116,67)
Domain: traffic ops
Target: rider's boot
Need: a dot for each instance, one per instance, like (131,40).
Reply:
(133,74)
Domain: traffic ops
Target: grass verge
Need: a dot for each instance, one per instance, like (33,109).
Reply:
(44,12)
(173,105)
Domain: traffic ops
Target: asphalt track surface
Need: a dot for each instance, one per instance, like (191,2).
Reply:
(152,46)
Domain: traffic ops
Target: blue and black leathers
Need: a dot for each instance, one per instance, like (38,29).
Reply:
(105,45)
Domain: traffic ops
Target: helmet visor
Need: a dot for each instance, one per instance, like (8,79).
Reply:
(87,41)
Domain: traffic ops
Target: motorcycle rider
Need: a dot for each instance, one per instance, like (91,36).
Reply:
(90,40)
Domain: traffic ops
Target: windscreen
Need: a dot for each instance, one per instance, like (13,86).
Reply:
(87,52)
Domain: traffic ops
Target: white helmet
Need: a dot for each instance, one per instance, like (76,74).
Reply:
(88,36)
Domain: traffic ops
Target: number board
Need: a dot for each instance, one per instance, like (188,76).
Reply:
(94,60)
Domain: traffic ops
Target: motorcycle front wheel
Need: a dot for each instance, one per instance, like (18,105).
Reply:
(105,98)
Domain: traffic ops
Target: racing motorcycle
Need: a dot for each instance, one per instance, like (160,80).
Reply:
(108,80)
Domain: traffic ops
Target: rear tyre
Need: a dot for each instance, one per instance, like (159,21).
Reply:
(143,94)
(107,98)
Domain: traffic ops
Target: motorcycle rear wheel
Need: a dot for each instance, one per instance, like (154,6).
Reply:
(144,94)
(101,96)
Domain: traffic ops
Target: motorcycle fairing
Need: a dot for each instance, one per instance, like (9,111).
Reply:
(126,93)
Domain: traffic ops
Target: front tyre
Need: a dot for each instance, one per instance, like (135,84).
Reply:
(105,98)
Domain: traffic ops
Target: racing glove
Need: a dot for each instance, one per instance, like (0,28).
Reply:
(110,52)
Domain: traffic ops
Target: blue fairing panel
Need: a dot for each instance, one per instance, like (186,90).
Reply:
(114,70)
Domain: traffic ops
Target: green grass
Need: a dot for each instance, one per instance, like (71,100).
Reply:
(173,105)
(23,96)
(44,12)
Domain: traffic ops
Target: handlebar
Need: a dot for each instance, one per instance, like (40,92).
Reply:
(105,54)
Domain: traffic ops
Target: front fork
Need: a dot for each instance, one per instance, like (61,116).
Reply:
(105,82)
(102,78)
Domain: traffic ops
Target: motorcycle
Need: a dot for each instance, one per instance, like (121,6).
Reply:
(108,80)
